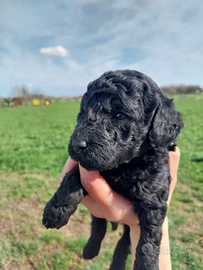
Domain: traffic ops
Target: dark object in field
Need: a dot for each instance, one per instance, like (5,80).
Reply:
(124,129)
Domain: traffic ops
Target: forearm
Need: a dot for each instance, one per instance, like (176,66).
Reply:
(164,257)
(134,237)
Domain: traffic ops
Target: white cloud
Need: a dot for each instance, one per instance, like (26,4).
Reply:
(58,51)
(101,36)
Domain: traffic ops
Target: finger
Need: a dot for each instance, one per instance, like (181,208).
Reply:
(113,206)
(93,206)
(70,164)
(96,186)
(126,216)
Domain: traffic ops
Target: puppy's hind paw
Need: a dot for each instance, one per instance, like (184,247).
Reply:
(56,217)
(91,250)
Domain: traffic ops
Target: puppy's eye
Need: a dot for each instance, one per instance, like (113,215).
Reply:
(120,116)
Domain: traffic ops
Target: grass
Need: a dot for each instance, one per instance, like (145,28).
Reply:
(36,137)
(191,144)
(33,151)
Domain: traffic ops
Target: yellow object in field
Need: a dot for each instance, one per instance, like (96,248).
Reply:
(36,102)
(47,102)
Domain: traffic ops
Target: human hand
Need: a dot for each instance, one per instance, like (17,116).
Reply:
(103,202)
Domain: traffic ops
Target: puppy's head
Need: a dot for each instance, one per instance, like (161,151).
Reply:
(122,114)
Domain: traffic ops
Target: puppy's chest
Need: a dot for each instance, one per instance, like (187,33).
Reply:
(137,181)
(127,182)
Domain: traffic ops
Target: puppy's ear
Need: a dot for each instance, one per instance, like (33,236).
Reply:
(166,124)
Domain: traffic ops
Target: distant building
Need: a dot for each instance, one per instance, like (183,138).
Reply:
(18,101)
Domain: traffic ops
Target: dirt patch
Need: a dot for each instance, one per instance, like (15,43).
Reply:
(77,226)
(20,215)
(17,213)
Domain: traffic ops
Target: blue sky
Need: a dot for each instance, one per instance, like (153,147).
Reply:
(60,46)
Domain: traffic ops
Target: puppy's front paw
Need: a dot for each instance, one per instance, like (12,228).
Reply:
(56,217)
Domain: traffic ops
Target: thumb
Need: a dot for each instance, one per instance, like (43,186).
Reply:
(96,186)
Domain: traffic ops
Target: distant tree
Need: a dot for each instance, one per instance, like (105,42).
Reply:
(21,91)
(182,89)
(27,95)
(37,93)
(8,102)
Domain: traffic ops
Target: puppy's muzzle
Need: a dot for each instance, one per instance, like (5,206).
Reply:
(79,145)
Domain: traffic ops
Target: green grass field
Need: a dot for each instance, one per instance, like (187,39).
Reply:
(33,150)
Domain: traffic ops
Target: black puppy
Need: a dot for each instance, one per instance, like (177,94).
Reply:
(124,129)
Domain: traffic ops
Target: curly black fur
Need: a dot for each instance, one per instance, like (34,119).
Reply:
(124,129)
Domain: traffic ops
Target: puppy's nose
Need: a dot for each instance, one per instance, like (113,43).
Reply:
(79,145)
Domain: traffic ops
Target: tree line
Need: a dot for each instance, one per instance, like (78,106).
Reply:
(23,94)
(23,91)
(27,95)
(182,89)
